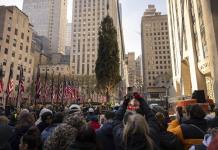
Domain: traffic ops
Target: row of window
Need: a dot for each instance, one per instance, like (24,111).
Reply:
(57,68)
(162,57)
(161,48)
(158,33)
(16,33)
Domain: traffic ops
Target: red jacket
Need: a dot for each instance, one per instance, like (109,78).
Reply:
(94,125)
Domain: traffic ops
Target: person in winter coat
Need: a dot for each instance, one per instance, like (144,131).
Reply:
(138,105)
(93,123)
(104,135)
(58,118)
(47,118)
(86,139)
(135,134)
(65,133)
(31,140)
(6,134)
(22,126)
(192,128)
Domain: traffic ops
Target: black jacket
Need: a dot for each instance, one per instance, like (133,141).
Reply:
(212,123)
(152,122)
(104,136)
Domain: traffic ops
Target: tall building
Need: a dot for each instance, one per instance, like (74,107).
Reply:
(87,17)
(193,30)
(15,45)
(138,73)
(131,68)
(68,34)
(68,40)
(155,52)
(49,19)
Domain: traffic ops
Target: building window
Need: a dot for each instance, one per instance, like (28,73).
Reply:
(30,61)
(22,35)
(57,68)
(21,46)
(7,39)
(13,54)
(25,59)
(16,32)
(4,62)
(15,43)
(28,39)
(9,28)
(6,51)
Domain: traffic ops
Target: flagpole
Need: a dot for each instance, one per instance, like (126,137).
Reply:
(7,90)
(58,87)
(18,90)
(62,99)
(45,86)
(52,86)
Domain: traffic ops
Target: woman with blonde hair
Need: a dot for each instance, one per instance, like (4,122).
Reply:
(135,133)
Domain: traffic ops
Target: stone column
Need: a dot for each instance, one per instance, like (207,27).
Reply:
(210,17)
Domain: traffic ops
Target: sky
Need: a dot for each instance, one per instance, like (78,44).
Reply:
(132,11)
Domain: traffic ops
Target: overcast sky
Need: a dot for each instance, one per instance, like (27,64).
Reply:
(132,11)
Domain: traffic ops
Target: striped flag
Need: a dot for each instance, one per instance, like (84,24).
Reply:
(1,79)
(46,88)
(10,86)
(37,84)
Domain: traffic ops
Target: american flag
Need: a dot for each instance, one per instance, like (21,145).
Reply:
(37,84)
(10,86)
(46,87)
(68,91)
(1,79)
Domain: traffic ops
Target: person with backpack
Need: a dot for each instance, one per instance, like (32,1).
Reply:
(190,126)
(168,140)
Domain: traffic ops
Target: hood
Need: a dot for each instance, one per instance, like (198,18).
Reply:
(44,110)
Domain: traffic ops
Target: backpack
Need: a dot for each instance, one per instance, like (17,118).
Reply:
(169,141)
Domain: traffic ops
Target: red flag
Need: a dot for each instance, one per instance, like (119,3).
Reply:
(1,85)
(10,86)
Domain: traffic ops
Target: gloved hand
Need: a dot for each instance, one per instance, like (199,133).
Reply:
(126,102)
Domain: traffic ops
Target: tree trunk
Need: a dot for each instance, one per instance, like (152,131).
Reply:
(107,96)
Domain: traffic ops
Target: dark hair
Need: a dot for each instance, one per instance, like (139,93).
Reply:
(58,117)
(26,120)
(45,115)
(197,112)
(86,134)
(32,138)
(109,115)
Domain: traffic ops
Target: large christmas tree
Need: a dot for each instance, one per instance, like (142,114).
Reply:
(107,64)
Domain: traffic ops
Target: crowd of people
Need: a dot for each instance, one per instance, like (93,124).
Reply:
(131,126)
